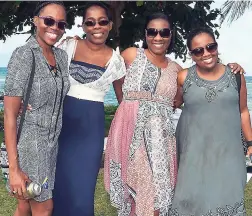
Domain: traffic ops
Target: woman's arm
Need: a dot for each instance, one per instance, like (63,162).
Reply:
(178,101)
(128,56)
(245,116)
(11,110)
(19,69)
(17,177)
(117,84)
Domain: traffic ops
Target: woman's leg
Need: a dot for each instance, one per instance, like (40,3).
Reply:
(41,208)
(23,208)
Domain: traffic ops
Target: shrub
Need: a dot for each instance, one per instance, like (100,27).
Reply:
(110,109)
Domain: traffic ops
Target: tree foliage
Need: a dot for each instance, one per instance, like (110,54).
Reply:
(232,10)
(128,18)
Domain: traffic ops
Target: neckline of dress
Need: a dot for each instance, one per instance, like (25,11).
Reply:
(88,65)
(168,62)
(209,81)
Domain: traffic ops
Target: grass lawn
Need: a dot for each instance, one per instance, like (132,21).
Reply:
(102,205)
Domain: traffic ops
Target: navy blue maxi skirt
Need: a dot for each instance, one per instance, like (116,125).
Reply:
(80,151)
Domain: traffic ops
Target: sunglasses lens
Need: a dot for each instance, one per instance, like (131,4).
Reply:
(49,21)
(198,51)
(89,23)
(212,47)
(103,22)
(151,32)
(61,25)
(165,33)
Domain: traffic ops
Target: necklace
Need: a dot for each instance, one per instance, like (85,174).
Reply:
(53,69)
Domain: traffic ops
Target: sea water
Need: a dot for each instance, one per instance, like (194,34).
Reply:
(110,98)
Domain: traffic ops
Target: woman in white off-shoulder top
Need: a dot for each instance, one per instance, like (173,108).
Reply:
(93,67)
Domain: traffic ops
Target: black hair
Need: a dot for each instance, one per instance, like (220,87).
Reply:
(196,32)
(163,16)
(41,4)
(98,4)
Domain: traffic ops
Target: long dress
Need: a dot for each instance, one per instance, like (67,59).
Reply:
(212,171)
(140,158)
(81,140)
(38,143)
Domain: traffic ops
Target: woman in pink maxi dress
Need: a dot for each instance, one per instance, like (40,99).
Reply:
(140,162)
(140,158)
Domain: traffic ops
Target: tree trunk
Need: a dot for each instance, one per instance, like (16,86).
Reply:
(116,8)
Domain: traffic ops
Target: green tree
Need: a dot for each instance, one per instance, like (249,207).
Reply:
(128,18)
(233,10)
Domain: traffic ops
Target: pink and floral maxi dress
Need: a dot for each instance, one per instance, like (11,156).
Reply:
(140,159)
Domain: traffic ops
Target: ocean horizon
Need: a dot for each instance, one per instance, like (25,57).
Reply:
(110,98)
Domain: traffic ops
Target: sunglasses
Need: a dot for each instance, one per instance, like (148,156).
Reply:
(211,48)
(48,21)
(92,23)
(164,33)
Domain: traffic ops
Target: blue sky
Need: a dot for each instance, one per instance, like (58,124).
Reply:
(234,42)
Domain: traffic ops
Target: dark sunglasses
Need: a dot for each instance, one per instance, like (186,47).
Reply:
(164,33)
(211,48)
(92,23)
(48,21)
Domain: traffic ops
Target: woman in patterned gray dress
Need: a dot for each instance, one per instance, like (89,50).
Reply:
(33,156)
(212,171)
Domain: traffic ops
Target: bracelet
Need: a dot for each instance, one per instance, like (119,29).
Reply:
(249,143)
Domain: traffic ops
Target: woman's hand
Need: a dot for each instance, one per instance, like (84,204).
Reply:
(29,107)
(17,181)
(249,151)
(177,104)
(76,37)
(236,68)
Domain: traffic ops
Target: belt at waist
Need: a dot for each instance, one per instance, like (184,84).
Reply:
(86,93)
(147,96)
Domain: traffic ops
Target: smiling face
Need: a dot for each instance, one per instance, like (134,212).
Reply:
(158,45)
(45,34)
(97,33)
(209,59)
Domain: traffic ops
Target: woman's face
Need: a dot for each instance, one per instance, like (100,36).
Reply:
(204,51)
(49,31)
(96,25)
(158,43)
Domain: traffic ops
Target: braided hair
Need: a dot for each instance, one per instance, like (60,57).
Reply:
(41,4)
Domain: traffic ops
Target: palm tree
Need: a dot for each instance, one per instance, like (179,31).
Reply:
(232,10)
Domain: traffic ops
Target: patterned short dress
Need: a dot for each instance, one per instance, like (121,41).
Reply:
(38,144)
(140,157)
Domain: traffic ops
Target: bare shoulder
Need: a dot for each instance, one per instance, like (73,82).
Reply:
(177,66)
(182,76)
(129,55)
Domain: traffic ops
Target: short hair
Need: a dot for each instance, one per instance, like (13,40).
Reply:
(163,16)
(41,4)
(196,32)
(98,4)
